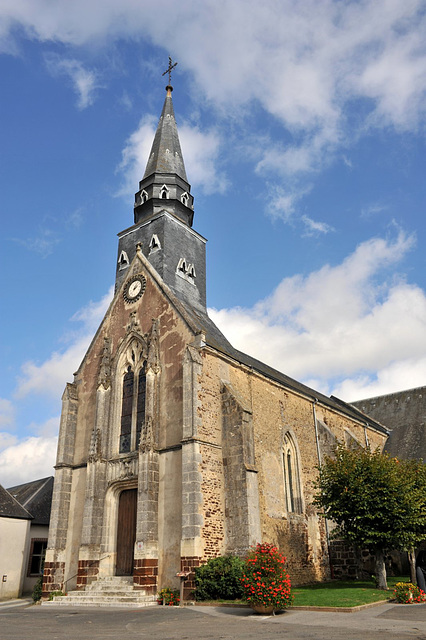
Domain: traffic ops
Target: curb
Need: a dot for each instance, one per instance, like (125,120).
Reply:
(360,607)
(16,603)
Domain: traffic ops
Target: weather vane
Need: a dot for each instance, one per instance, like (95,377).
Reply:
(169,70)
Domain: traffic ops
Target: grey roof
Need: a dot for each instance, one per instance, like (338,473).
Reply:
(404,413)
(166,154)
(10,507)
(216,339)
(36,498)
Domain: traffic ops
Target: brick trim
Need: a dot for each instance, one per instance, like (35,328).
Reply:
(87,571)
(188,563)
(145,574)
(53,578)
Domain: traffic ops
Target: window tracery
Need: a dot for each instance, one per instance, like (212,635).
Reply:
(133,398)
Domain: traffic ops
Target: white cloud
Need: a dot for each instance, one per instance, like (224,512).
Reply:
(200,150)
(135,154)
(344,328)
(85,82)
(7,440)
(283,204)
(7,413)
(403,374)
(313,227)
(373,209)
(305,63)
(49,377)
(29,459)
(43,243)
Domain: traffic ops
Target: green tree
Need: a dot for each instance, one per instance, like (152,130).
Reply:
(413,477)
(376,501)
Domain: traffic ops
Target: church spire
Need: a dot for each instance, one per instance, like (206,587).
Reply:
(166,154)
(164,185)
(163,212)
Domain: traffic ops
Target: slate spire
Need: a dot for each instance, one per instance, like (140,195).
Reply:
(163,212)
(166,154)
(164,185)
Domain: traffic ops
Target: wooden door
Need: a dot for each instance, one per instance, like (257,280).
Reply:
(126,532)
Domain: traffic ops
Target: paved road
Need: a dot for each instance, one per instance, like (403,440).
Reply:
(392,622)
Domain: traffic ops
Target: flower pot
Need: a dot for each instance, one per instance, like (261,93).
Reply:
(262,609)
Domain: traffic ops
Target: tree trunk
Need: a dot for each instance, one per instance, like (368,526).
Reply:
(380,569)
(412,561)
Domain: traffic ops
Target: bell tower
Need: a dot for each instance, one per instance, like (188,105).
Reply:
(163,216)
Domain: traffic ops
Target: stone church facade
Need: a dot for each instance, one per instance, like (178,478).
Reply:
(174,447)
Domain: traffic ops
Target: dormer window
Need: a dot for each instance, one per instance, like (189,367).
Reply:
(154,244)
(186,271)
(123,261)
(184,198)
(164,192)
(182,266)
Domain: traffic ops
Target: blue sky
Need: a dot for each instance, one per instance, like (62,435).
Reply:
(302,126)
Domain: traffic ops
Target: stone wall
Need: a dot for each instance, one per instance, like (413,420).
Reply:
(246,433)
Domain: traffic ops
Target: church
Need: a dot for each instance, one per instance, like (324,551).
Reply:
(174,447)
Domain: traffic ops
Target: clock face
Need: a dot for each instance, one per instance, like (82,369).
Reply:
(134,288)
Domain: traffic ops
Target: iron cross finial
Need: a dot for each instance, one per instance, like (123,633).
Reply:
(169,70)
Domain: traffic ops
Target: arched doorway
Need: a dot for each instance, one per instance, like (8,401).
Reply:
(126,532)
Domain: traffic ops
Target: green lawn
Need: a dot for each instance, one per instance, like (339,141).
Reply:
(340,593)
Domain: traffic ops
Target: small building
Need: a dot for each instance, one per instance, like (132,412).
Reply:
(24,527)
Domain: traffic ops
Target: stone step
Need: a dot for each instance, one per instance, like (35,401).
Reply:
(85,598)
(127,579)
(109,591)
(112,598)
(109,586)
(63,601)
(106,594)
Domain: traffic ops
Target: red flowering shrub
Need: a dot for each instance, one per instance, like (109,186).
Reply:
(169,597)
(265,580)
(408,593)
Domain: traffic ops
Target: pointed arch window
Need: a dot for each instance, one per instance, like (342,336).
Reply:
(182,266)
(132,408)
(292,484)
(184,198)
(144,196)
(123,261)
(140,404)
(164,192)
(155,244)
